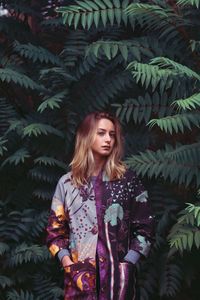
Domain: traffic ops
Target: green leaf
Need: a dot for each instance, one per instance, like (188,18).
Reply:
(50,161)
(118,15)
(52,102)
(124,51)
(111,16)
(107,50)
(96,18)
(90,18)
(18,157)
(5,281)
(76,19)
(197,238)
(8,75)
(104,17)
(36,129)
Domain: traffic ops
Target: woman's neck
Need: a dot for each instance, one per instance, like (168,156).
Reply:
(99,164)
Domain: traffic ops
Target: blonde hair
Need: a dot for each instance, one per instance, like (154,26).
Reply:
(82,165)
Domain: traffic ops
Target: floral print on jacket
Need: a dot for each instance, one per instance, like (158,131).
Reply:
(97,225)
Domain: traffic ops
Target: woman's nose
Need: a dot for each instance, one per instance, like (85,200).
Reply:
(108,138)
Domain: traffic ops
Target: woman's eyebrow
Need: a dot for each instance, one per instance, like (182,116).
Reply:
(113,131)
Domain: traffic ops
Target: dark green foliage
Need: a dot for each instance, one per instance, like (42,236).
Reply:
(185,233)
(138,59)
(88,12)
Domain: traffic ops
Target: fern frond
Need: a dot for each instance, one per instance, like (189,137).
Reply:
(7,112)
(52,102)
(177,123)
(43,193)
(3,148)
(58,71)
(43,174)
(104,89)
(5,281)
(21,295)
(170,281)
(147,281)
(36,53)
(195,45)
(16,125)
(157,164)
(24,254)
(151,74)
(3,248)
(189,2)
(87,65)
(194,209)
(159,17)
(36,129)
(185,233)
(154,12)
(40,223)
(161,71)
(189,153)
(112,48)
(166,63)
(72,52)
(20,224)
(142,108)
(16,224)
(16,158)
(44,288)
(189,103)
(89,12)
(50,161)
(9,75)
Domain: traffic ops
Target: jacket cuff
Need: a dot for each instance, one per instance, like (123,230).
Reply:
(62,253)
(132,256)
(141,245)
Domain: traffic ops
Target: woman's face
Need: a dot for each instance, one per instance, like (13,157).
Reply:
(104,138)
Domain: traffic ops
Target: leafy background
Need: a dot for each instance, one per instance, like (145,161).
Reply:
(137,59)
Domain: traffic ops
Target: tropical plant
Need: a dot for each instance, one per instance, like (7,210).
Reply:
(138,59)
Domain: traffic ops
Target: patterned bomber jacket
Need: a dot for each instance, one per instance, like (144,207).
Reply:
(108,219)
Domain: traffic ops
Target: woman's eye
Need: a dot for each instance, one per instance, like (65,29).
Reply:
(100,133)
(112,135)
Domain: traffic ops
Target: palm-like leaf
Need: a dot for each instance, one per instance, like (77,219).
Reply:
(125,48)
(177,123)
(36,53)
(189,2)
(185,233)
(9,75)
(18,157)
(141,109)
(89,12)
(159,164)
(36,129)
(189,103)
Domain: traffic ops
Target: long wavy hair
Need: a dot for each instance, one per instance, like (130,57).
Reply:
(82,165)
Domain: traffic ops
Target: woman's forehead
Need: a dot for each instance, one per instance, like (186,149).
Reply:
(105,124)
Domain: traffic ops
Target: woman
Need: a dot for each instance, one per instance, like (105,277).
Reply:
(100,222)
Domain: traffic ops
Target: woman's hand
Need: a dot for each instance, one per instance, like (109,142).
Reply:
(66,261)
